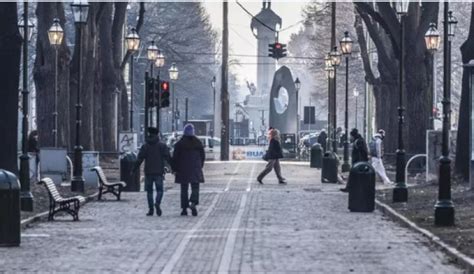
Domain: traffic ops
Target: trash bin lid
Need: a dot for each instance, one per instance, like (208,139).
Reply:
(8,180)
(363,167)
(128,156)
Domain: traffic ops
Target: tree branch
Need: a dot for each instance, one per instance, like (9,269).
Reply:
(141,14)
(369,74)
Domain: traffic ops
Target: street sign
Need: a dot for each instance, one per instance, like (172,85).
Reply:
(309,115)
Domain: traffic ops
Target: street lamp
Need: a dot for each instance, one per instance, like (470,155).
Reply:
(297,86)
(174,73)
(28,28)
(444,208)
(152,55)
(159,63)
(55,36)
(132,40)
(80,10)
(346,48)
(432,39)
(213,85)
(335,57)
(400,191)
(26,197)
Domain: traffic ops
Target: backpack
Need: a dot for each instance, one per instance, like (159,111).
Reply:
(373,147)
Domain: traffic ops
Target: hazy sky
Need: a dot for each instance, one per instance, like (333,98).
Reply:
(241,39)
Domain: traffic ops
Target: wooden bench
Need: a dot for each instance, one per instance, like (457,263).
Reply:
(57,203)
(115,187)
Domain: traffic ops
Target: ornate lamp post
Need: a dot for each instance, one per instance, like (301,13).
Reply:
(55,36)
(26,32)
(80,10)
(432,42)
(400,192)
(174,73)
(330,75)
(152,55)
(335,57)
(132,40)
(159,63)
(444,208)
(346,48)
(297,86)
(213,85)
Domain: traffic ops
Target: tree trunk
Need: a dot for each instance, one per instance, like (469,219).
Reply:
(462,153)
(10,54)
(44,71)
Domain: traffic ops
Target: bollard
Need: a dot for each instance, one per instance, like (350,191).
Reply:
(361,185)
(316,159)
(9,209)
(127,162)
(329,168)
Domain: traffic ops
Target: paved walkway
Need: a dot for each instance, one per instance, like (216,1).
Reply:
(242,227)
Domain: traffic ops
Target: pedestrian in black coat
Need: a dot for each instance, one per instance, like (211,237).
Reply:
(155,155)
(360,153)
(187,163)
(322,140)
(273,156)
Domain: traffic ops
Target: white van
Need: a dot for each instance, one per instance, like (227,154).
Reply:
(212,146)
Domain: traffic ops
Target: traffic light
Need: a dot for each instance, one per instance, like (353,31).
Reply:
(271,50)
(150,85)
(165,94)
(277,50)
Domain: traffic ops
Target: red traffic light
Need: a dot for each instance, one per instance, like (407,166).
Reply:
(277,45)
(165,86)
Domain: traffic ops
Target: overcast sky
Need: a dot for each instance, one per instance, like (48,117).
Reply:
(241,39)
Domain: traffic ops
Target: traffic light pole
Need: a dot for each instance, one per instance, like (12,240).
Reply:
(158,104)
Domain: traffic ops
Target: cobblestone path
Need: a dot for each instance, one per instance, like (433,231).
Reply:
(242,227)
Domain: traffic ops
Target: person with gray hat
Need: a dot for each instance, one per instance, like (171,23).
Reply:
(187,163)
(156,155)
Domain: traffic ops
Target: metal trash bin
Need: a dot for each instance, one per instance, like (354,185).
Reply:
(316,160)
(329,168)
(9,209)
(361,186)
(127,162)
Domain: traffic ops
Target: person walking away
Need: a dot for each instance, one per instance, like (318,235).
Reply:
(359,152)
(322,140)
(187,163)
(273,156)
(156,155)
(376,155)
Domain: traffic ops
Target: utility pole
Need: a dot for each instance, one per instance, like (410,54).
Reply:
(224,90)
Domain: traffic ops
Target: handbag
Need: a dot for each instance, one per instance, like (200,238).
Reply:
(265,156)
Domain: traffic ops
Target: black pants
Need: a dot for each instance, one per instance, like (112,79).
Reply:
(185,199)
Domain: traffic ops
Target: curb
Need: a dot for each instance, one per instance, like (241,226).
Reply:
(461,258)
(24,223)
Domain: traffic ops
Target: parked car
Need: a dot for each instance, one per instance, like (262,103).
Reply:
(212,146)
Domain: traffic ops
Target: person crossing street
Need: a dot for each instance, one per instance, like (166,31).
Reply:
(156,155)
(376,155)
(273,156)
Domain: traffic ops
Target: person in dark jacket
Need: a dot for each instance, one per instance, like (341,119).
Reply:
(273,156)
(322,140)
(155,155)
(187,163)
(360,153)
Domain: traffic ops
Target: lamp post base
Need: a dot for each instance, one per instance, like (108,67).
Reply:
(26,201)
(77,184)
(400,194)
(346,167)
(444,213)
